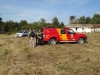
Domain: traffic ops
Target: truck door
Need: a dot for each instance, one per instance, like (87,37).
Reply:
(71,35)
(63,36)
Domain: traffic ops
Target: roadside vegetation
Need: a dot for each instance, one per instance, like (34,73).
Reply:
(17,58)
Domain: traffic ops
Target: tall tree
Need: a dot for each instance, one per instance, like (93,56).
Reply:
(72,19)
(43,23)
(82,20)
(61,25)
(87,20)
(10,26)
(96,19)
(43,20)
(23,22)
(16,26)
(55,22)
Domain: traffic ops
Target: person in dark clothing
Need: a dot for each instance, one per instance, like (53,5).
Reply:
(36,37)
(39,37)
(32,39)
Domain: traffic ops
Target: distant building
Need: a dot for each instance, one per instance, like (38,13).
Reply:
(96,28)
(88,28)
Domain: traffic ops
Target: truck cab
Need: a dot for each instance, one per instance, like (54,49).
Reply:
(56,35)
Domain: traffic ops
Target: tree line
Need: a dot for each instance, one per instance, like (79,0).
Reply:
(85,20)
(11,26)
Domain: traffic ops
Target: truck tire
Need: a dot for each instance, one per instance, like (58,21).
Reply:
(53,41)
(81,41)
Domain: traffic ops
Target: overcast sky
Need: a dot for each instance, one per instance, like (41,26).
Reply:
(34,10)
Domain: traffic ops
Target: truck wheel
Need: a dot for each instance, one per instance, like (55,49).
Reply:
(53,41)
(81,41)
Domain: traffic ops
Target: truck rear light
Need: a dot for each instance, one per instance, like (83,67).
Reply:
(45,36)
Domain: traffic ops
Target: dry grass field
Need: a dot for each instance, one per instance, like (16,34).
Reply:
(17,58)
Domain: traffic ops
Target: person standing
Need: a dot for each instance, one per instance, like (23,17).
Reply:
(39,36)
(32,39)
(36,33)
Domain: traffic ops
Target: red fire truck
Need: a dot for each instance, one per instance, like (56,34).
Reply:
(56,35)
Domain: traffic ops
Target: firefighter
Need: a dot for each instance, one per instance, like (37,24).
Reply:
(39,37)
(36,37)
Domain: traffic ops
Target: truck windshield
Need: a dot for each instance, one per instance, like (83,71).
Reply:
(71,32)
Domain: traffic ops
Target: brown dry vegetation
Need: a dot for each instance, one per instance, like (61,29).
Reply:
(17,58)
